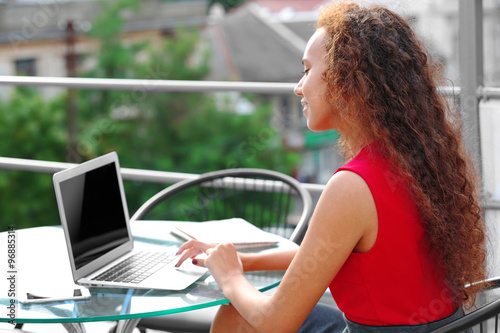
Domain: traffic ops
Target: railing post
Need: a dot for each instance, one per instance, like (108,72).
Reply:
(471,72)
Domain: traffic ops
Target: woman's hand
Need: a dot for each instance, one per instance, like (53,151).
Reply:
(222,259)
(191,249)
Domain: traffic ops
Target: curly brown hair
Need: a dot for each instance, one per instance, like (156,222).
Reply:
(384,83)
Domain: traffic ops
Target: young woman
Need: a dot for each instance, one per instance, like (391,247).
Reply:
(397,233)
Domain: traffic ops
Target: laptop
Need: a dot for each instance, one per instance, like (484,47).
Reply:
(94,216)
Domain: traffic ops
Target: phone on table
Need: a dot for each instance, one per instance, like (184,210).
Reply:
(32,298)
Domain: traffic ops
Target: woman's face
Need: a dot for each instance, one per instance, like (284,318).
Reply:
(320,114)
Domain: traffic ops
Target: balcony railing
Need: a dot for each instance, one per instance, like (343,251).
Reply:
(150,176)
(270,88)
(173,86)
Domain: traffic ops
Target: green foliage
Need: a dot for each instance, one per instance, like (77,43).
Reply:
(187,132)
(114,59)
(106,27)
(176,132)
(34,129)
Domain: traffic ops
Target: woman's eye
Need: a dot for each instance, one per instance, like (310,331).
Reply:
(305,71)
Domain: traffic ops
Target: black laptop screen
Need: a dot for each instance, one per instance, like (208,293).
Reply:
(94,213)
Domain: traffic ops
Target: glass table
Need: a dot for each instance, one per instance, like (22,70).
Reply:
(41,261)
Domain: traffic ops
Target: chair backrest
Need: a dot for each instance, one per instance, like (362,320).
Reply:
(268,199)
(485,316)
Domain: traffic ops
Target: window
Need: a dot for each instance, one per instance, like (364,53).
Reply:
(26,67)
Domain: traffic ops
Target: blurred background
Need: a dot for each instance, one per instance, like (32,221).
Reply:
(213,40)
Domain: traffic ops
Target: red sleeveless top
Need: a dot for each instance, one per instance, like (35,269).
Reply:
(397,282)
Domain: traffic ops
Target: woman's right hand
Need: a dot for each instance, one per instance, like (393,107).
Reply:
(222,259)
(191,249)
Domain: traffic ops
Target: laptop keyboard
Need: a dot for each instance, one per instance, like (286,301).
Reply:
(136,268)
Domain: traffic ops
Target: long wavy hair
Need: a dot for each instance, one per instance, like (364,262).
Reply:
(384,83)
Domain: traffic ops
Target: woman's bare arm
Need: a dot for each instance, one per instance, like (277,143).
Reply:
(273,261)
(345,219)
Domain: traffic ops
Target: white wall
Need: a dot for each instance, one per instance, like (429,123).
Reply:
(490,146)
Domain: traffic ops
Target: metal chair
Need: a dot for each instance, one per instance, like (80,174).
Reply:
(268,199)
(484,318)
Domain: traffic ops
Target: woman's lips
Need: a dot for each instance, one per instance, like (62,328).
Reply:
(304,105)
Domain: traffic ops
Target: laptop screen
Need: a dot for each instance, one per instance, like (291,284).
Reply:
(94,213)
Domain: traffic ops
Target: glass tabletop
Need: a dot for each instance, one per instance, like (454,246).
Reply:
(42,262)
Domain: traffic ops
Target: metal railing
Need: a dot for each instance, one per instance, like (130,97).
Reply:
(151,176)
(149,85)
(270,88)
(173,86)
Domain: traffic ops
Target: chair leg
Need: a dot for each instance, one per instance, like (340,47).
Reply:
(126,326)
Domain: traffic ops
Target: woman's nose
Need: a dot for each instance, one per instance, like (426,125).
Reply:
(298,88)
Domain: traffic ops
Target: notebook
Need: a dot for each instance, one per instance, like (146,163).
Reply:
(94,216)
(241,233)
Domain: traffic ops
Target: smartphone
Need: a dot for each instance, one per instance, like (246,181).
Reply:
(78,294)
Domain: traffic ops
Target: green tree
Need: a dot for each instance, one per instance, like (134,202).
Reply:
(114,59)
(30,128)
(169,131)
(149,130)
(187,132)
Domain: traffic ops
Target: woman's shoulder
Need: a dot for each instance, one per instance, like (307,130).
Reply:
(346,186)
